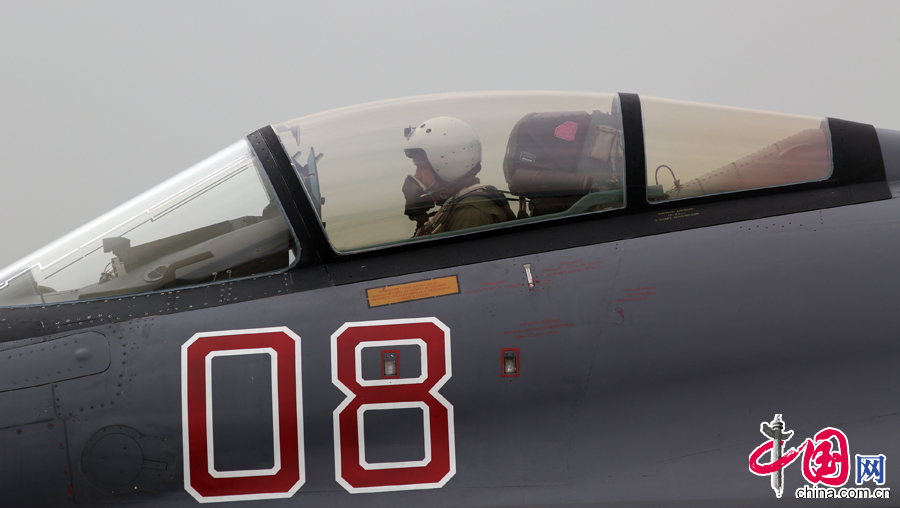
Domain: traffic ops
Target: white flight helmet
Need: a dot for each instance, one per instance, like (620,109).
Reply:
(451,146)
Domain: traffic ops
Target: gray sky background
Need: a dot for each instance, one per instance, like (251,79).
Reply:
(102,100)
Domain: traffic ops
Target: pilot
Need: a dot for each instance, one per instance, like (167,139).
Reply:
(447,154)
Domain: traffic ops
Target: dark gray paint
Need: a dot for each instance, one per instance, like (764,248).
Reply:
(242,412)
(84,395)
(30,405)
(78,355)
(394,435)
(119,460)
(786,315)
(34,470)
(791,314)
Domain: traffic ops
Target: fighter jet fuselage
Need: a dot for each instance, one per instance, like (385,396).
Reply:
(471,300)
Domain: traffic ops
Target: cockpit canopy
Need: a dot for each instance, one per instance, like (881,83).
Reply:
(551,154)
(541,156)
(215,221)
(546,150)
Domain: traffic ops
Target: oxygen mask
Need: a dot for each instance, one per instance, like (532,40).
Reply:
(418,199)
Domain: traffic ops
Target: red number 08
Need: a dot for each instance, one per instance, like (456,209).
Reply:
(439,465)
(207,484)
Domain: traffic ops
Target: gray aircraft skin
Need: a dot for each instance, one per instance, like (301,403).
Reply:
(648,345)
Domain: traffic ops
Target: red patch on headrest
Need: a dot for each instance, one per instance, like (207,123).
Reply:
(566,131)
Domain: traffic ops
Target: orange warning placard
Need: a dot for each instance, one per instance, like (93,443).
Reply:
(387,295)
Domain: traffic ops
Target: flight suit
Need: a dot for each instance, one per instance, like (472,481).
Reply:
(476,205)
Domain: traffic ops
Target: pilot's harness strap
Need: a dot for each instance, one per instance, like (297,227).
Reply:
(436,223)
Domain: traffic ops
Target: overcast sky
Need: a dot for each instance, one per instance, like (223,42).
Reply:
(103,100)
